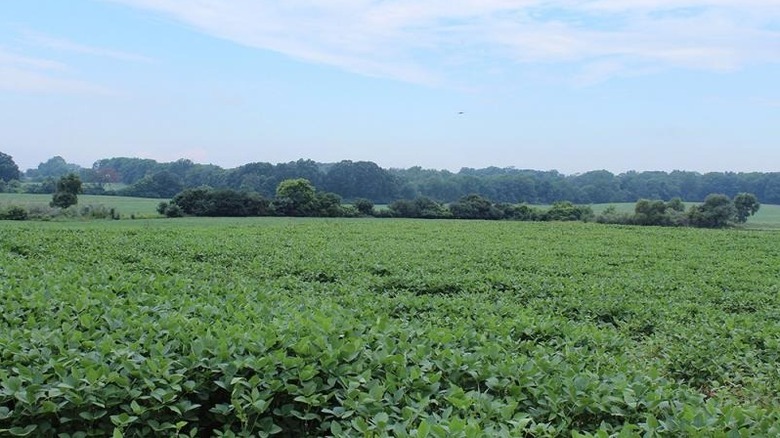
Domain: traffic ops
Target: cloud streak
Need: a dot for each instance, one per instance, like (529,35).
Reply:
(21,73)
(427,42)
(25,73)
(64,45)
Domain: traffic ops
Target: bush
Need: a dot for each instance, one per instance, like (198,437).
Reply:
(205,201)
(328,205)
(475,207)
(98,212)
(63,200)
(68,188)
(610,215)
(174,210)
(421,207)
(364,206)
(566,211)
(519,212)
(717,212)
(14,213)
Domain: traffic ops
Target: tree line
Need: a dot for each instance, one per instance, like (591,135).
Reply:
(366,180)
(299,197)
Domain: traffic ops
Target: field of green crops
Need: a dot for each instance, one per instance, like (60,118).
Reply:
(313,327)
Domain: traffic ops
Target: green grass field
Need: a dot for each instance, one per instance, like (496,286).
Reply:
(127,206)
(365,327)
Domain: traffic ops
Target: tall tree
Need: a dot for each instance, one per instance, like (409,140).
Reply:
(295,197)
(8,168)
(716,212)
(54,167)
(361,179)
(68,188)
(128,170)
(746,205)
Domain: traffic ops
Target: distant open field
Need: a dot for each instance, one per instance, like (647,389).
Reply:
(126,206)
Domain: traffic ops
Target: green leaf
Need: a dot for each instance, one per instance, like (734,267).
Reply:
(360,425)
(22,431)
(123,419)
(424,429)
(136,408)
(381,419)
(12,385)
(91,416)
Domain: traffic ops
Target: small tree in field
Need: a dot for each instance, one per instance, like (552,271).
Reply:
(716,212)
(747,205)
(68,188)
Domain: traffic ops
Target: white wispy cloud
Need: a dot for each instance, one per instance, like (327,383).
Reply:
(22,73)
(65,45)
(23,80)
(8,58)
(428,41)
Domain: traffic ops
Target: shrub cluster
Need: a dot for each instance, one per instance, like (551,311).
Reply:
(476,207)
(14,213)
(717,211)
(46,213)
(204,201)
(300,199)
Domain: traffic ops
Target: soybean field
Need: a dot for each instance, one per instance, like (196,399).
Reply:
(407,328)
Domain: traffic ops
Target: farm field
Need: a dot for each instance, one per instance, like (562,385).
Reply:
(365,327)
(127,206)
(768,216)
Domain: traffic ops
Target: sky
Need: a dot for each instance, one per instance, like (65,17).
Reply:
(572,85)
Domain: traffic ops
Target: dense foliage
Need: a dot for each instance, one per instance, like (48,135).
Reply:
(53,168)
(294,197)
(717,211)
(205,201)
(372,328)
(68,189)
(8,169)
(299,197)
(364,179)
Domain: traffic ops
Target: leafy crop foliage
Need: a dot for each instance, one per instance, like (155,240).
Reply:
(314,327)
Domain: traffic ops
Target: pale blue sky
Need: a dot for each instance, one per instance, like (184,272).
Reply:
(569,85)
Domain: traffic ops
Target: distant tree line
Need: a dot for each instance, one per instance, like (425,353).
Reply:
(366,180)
(717,211)
(299,197)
